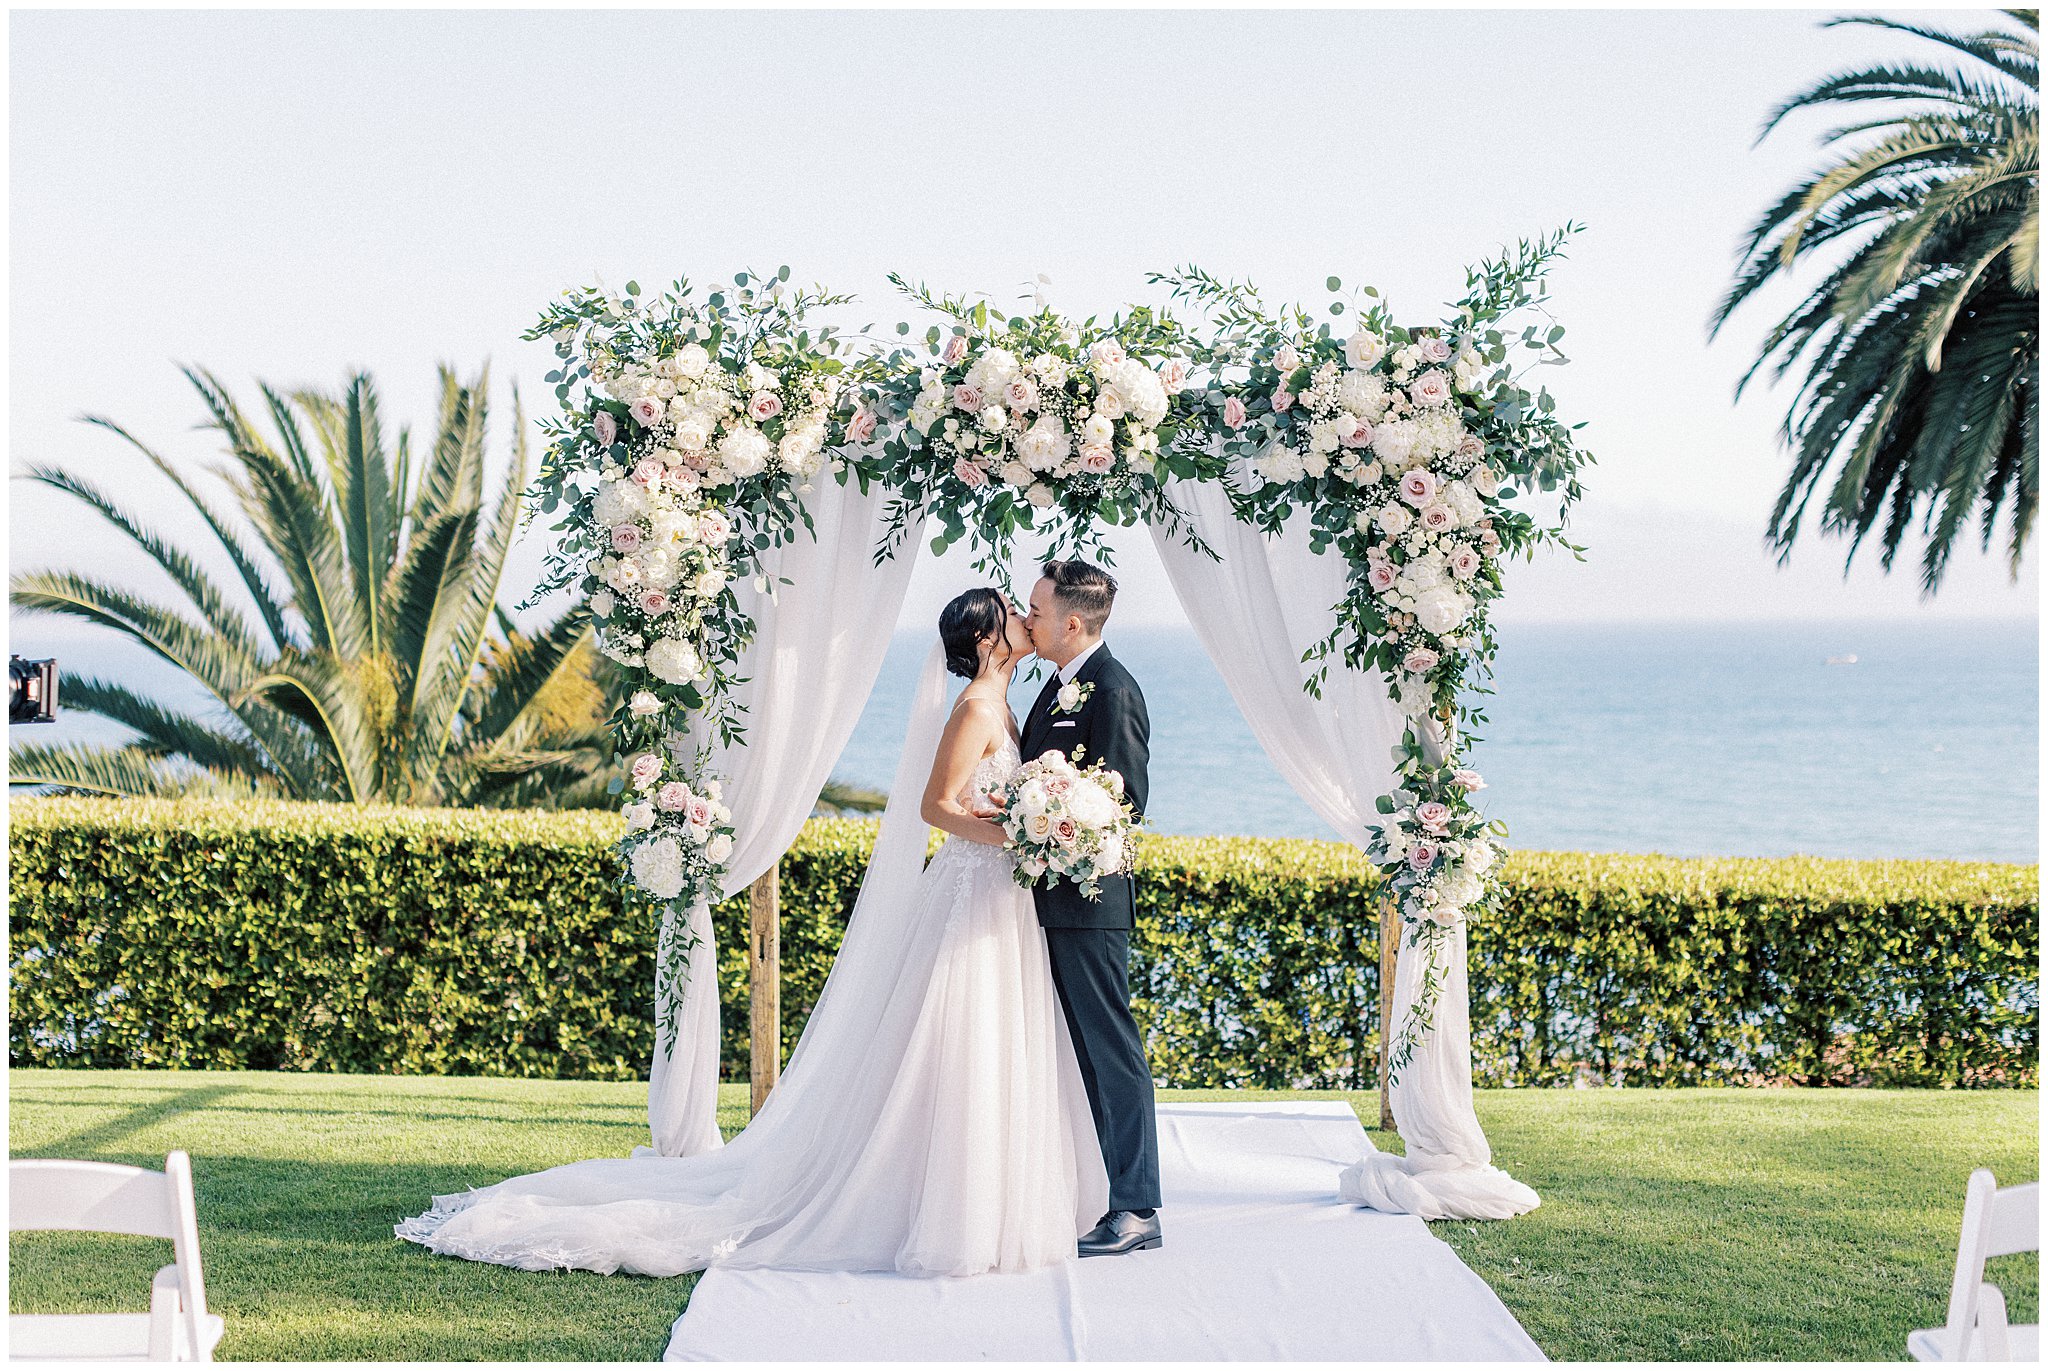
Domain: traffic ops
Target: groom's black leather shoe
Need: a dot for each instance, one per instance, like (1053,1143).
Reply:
(1119,1232)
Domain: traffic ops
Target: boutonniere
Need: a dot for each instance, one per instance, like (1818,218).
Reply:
(1072,696)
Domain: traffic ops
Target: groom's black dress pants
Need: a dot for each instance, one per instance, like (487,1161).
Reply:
(1090,966)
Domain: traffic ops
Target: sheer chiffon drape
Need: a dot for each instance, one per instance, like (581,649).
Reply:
(1256,612)
(819,646)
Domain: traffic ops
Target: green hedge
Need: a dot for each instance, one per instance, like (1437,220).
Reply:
(332,937)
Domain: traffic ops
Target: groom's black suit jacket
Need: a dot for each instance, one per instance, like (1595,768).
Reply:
(1110,727)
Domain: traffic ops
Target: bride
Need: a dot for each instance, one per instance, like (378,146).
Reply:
(932,1119)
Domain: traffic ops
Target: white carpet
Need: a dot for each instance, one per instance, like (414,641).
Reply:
(1261,1263)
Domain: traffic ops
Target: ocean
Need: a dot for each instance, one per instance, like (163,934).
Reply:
(1690,740)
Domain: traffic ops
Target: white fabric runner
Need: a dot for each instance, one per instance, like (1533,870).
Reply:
(1259,1264)
(812,665)
(1257,611)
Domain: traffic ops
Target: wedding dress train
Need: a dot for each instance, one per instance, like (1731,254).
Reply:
(932,1119)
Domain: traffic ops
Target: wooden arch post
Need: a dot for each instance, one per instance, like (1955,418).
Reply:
(1390,943)
(764,983)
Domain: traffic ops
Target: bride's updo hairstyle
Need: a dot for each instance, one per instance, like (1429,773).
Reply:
(968,619)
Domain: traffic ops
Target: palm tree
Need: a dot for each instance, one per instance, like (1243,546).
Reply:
(369,674)
(1920,391)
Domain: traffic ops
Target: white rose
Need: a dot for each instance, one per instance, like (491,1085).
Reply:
(1016,473)
(709,582)
(644,703)
(639,816)
(1363,350)
(718,849)
(1040,495)
(1394,519)
(603,603)
(691,360)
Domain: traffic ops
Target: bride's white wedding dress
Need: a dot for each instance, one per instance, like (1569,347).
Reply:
(932,1119)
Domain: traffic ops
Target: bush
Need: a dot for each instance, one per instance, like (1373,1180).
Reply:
(342,938)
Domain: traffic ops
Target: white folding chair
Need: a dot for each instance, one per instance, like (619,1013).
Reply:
(1996,1223)
(98,1197)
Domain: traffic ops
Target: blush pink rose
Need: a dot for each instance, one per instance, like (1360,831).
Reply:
(765,405)
(956,349)
(1467,779)
(1058,785)
(1286,359)
(1283,400)
(1465,563)
(967,397)
(1435,350)
(1174,374)
(698,811)
(713,528)
(1380,576)
(647,411)
(1435,816)
(1436,518)
(1097,461)
(1419,660)
(644,768)
(861,426)
(655,603)
(699,460)
(1020,395)
(672,797)
(1107,353)
(973,475)
(1432,387)
(1422,856)
(1064,831)
(1470,448)
(606,426)
(1418,488)
(648,473)
(1233,412)
(625,538)
(1358,437)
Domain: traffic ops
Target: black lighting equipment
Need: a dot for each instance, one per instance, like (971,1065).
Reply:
(34,700)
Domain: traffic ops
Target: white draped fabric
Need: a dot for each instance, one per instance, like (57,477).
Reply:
(817,651)
(1256,611)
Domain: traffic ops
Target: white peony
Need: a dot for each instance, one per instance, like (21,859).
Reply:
(1442,608)
(745,452)
(1091,806)
(658,867)
(675,661)
(1044,446)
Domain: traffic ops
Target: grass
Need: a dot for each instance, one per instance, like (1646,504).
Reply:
(1676,1225)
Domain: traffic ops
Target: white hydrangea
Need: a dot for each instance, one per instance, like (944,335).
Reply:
(675,661)
(619,502)
(658,867)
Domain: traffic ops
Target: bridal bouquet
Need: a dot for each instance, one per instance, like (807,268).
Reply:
(1064,821)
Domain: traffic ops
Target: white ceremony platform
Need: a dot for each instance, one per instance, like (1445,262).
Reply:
(1262,1262)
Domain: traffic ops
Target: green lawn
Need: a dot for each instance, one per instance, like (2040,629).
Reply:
(1676,1225)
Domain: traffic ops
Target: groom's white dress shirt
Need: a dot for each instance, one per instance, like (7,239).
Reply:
(1073,667)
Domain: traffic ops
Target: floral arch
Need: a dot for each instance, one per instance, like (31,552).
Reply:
(704,439)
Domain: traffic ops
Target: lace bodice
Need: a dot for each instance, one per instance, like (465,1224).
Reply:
(989,772)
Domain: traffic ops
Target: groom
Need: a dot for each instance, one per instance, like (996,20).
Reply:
(1091,703)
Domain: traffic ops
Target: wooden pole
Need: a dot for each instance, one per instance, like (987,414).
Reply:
(1390,943)
(764,982)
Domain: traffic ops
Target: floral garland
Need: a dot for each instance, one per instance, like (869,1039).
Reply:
(700,426)
(1000,424)
(1402,445)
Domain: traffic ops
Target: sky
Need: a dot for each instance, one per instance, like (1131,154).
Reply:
(291,195)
